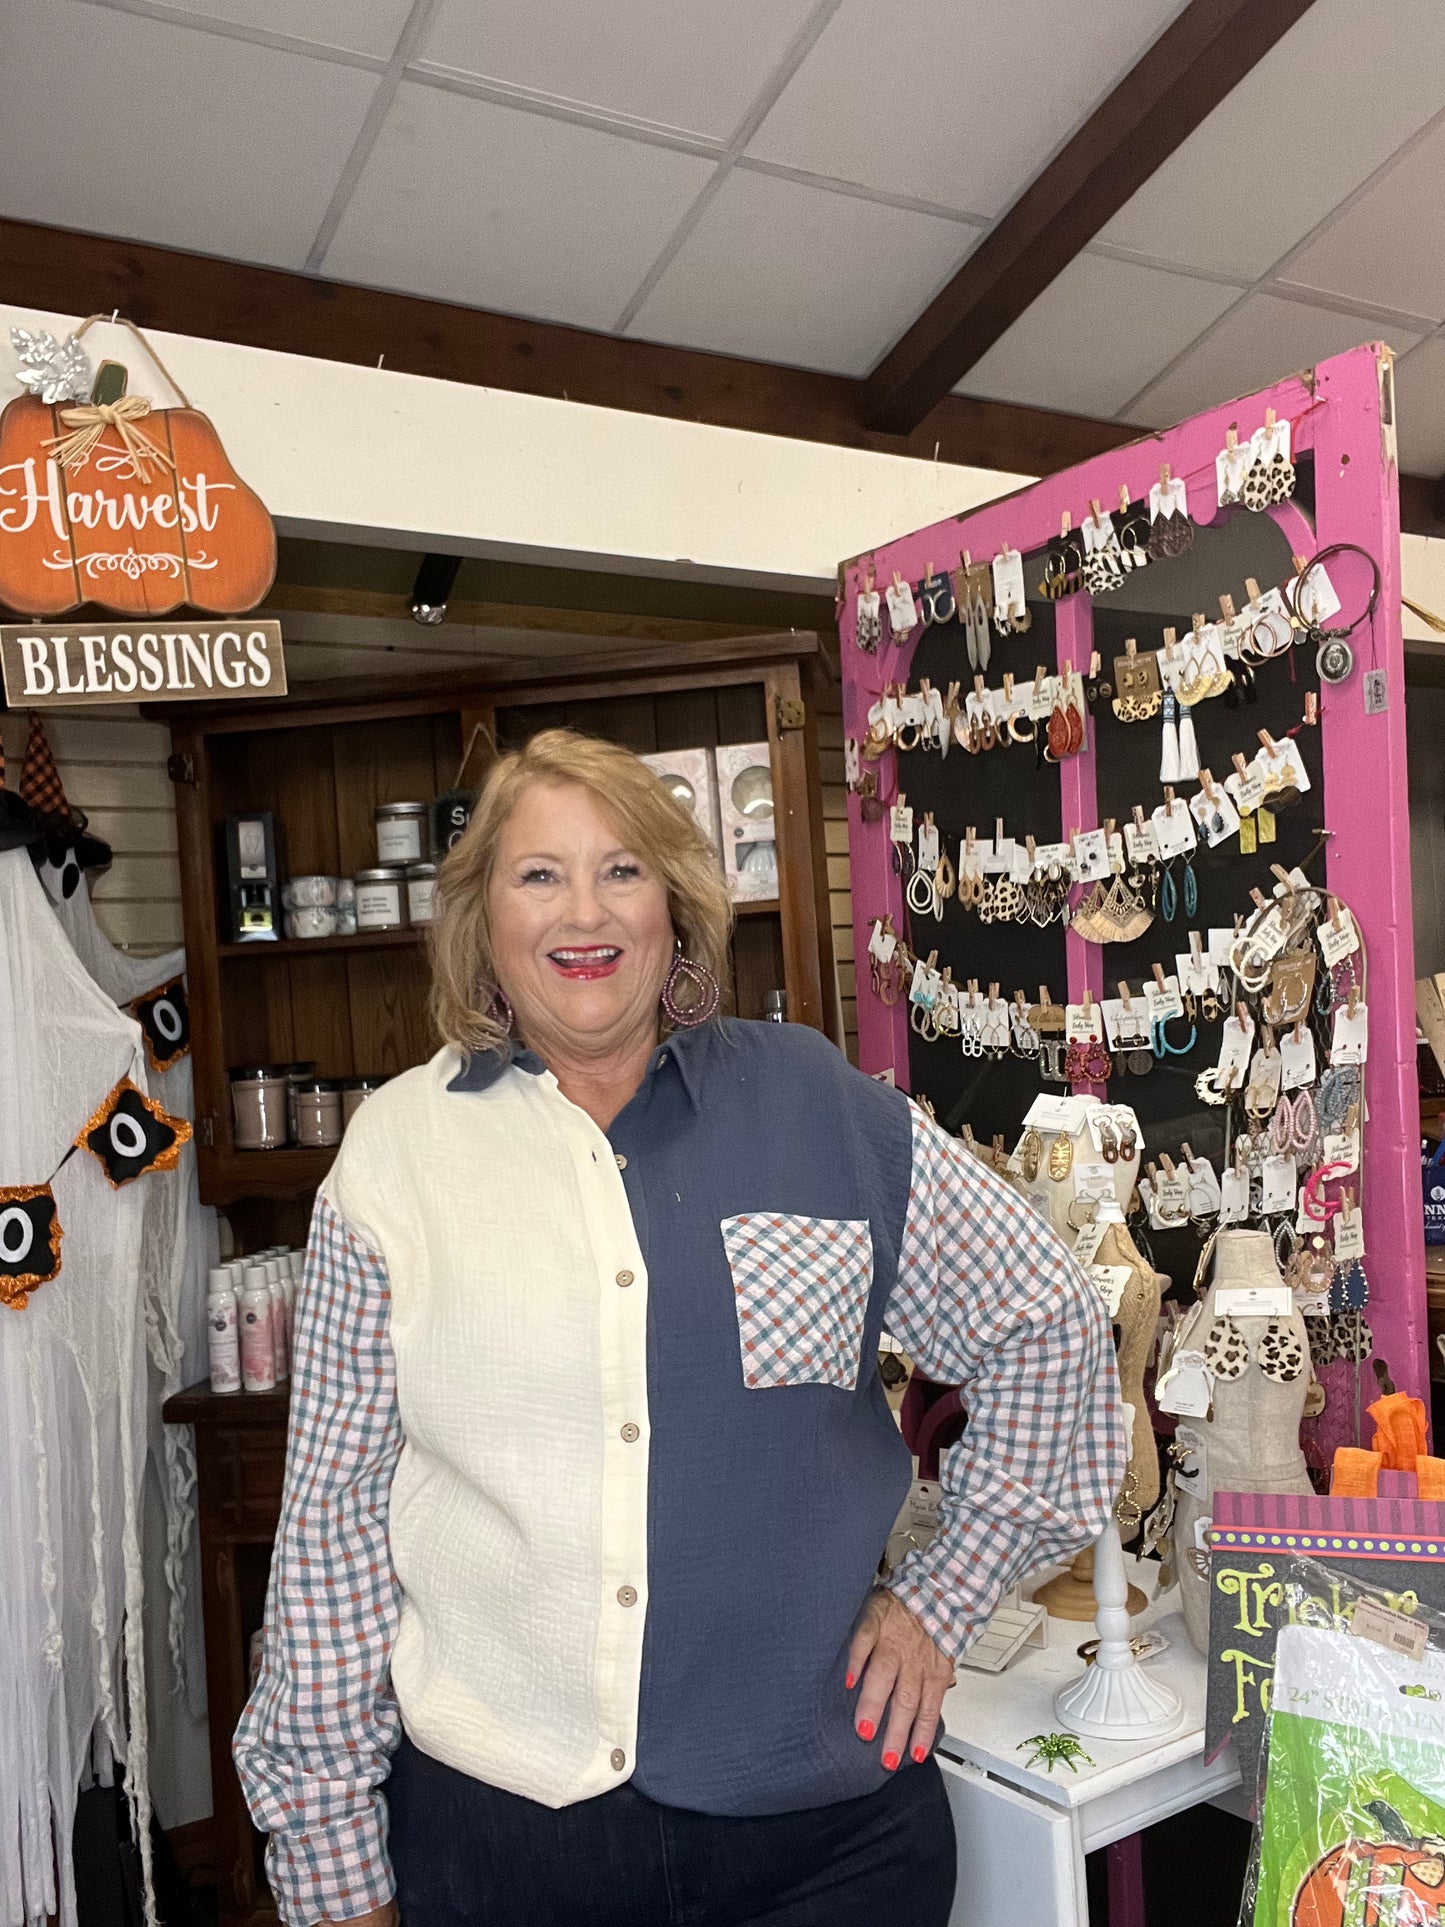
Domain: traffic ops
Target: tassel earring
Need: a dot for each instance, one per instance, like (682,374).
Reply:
(1169,753)
(1188,748)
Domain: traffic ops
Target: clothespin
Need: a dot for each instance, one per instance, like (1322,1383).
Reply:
(1231,437)
(1045,999)
(1164,475)
(1019,1000)
(969,840)
(1353,1004)
(1096,511)
(1131,648)
(1198,621)
(1096,663)
(870,579)
(1206,783)
(1088,1005)
(1297,1035)
(1186,1152)
(1066,522)
(1266,1038)
(1251,588)
(993,993)
(932,960)
(978,687)
(1041,676)
(1335,921)
(965,558)
(1171,1169)
(1299,562)
(1124,996)
(973,988)
(1278,870)
(1226,607)
(1269,418)
(928,572)
(1153,1170)
(1196,946)
(1030,846)
(997,831)
(1168,800)
(1240,765)
(947,977)
(1256,897)
(1159,977)
(897,580)
(1068,669)
(1268,742)
(969,1139)
(1139,816)
(1241,1012)
(1008,687)
(1123,498)
(1171,638)
(1312,708)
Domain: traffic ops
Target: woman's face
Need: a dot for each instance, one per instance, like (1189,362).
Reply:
(581,933)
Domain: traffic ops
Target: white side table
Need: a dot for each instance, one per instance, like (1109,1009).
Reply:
(1023,1831)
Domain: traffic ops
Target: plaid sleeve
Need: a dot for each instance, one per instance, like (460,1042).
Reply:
(317,1734)
(987,1298)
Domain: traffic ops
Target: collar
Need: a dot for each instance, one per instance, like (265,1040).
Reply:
(687,1049)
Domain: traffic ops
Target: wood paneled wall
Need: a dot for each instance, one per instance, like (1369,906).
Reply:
(113,766)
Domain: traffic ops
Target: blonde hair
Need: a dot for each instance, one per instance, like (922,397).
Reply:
(651,821)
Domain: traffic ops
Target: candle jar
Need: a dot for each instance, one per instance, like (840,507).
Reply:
(421,885)
(258,1106)
(302,1071)
(354,1093)
(401,832)
(318,1112)
(381,898)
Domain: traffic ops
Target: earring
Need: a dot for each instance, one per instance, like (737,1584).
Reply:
(703,982)
(1061,1157)
(500,1010)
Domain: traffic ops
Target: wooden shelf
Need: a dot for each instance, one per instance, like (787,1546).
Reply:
(328,946)
(227,1176)
(757,907)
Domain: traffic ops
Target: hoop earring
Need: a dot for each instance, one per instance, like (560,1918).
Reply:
(500,1010)
(705,984)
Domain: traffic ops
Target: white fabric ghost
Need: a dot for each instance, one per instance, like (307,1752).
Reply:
(178,1246)
(72,1419)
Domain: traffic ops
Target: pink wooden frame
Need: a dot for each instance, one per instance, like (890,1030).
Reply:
(1340,412)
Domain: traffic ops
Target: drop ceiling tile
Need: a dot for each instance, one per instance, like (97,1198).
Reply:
(1258,342)
(1095,336)
(488,205)
(694,65)
(124,125)
(1326,106)
(1389,248)
(1420,409)
(355,26)
(956,104)
(795,274)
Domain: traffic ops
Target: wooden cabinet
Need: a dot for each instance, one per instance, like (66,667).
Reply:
(321,760)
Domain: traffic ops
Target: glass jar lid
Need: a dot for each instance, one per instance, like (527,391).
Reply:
(415,872)
(393,810)
(257,1073)
(319,1086)
(384,873)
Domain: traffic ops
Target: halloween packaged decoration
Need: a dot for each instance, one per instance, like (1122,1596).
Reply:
(30,1234)
(1351,1829)
(131,1135)
(165,1021)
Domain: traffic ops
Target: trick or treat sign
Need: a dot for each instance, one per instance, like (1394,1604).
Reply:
(108,500)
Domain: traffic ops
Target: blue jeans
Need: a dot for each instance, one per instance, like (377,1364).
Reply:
(468,1855)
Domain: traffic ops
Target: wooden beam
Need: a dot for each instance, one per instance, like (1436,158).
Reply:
(196,294)
(374,604)
(1199,58)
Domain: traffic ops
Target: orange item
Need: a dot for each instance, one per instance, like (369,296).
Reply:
(1399,1430)
(1355,1473)
(1430,1475)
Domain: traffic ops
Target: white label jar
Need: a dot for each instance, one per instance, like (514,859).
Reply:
(421,888)
(381,899)
(400,832)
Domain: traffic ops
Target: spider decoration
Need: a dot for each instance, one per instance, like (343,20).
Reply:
(1054,1749)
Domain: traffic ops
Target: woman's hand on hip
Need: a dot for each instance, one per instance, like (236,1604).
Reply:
(904,1676)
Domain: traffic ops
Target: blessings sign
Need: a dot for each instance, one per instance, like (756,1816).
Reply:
(1393,1548)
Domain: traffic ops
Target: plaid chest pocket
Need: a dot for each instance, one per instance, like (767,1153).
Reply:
(801,1286)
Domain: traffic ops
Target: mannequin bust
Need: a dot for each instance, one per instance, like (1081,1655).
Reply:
(1249,1440)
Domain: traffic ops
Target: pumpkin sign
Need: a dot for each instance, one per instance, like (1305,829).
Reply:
(1370,1883)
(136,509)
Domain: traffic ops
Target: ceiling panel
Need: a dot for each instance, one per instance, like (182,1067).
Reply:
(1258,342)
(356,26)
(1390,246)
(1326,106)
(796,274)
(1095,336)
(959,102)
(126,125)
(1420,409)
(690,64)
(472,202)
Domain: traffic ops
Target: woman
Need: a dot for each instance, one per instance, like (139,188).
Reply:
(590,1470)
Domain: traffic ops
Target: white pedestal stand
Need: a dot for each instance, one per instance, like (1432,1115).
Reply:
(1115,1699)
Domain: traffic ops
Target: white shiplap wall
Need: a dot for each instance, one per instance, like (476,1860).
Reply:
(113,766)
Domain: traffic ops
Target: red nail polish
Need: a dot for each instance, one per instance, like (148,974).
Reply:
(866,1729)
(920,1754)
(849,1681)
(890,1761)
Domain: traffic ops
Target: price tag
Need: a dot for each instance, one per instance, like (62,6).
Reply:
(900,823)
(1111,1280)
(1125,1028)
(1216,815)
(925,986)
(901,612)
(928,846)
(1171,1198)
(1142,845)
(1203,1188)
(1343,1147)
(1091,855)
(1192,1476)
(1186,1390)
(1264,1078)
(1336,945)
(1349,1237)
(1233,1196)
(1047,855)
(1253,1301)
(1165,1003)
(1087,1243)
(1396,1632)
(1008,581)
(913,709)
(882,943)
(1268,936)
(1041,697)
(1022,870)
(1351,1041)
(1080,1025)
(1279,1184)
(1315,598)
(1092,1181)
(1297,1059)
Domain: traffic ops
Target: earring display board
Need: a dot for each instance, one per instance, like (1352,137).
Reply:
(1187,598)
